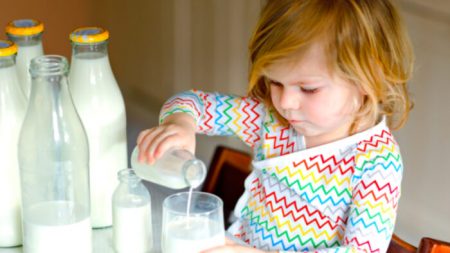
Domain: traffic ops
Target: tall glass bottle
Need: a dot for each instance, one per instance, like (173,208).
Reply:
(12,111)
(132,220)
(27,34)
(100,104)
(53,161)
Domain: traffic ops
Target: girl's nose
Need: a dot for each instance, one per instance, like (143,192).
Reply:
(289,99)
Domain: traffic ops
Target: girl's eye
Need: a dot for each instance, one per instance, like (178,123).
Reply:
(275,83)
(309,90)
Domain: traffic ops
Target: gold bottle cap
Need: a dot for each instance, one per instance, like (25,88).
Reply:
(88,35)
(24,27)
(7,48)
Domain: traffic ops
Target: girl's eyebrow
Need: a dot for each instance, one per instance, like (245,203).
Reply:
(306,79)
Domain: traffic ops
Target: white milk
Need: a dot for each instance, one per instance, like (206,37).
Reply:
(192,235)
(43,233)
(166,171)
(12,112)
(100,105)
(24,56)
(132,229)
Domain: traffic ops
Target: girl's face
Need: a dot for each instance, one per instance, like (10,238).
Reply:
(319,105)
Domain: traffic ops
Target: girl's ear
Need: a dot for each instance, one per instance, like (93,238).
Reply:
(358,100)
(360,89)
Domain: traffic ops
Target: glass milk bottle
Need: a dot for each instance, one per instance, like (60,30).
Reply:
(12,111)
(53,161)
(132,220)
(102,110)
(176,169)
(27,34)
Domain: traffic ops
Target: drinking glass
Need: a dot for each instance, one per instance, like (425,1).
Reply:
(195,228)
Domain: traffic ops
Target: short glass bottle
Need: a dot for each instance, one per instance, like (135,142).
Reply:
(176,169)
(132,219)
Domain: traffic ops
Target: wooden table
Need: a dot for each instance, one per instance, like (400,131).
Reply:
(102,238)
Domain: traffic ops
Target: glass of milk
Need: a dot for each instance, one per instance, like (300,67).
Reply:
(192,222)
(132,220)
(176,169)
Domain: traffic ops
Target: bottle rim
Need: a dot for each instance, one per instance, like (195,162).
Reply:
(198,168)
(89,35)
(195,194)
(48,65)
(7,48)
(127,173)
(24,27)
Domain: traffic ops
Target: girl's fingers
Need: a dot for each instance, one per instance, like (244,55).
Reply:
(167,142)
(146,142)
(152,143)
(159,138)
(142,146)
(142,134)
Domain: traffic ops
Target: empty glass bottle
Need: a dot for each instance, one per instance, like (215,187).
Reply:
(132,220)
(53,161)
(12,111)
(27,34)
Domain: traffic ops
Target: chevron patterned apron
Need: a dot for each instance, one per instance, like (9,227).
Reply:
(301,201)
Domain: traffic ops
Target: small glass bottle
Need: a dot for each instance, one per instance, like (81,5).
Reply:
(12,112)
(176,169)
(53,160)
(132,220)
(101,107)
(27,34)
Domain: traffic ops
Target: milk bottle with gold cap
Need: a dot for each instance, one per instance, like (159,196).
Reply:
(100,104)
(27,34)
(12,112)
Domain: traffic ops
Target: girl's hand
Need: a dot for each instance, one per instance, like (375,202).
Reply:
(177,130)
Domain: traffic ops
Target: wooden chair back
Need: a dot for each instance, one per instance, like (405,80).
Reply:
(430,245)
(398,245)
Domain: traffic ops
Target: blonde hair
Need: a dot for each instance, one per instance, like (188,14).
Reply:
(365,42)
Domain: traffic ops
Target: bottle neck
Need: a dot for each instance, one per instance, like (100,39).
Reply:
(94,50)
(49,79)
(7,61)
(31,40)
(128,176)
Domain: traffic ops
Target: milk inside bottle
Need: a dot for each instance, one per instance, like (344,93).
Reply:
(12,112)
(101,107)
(176,169)
(132,220)
(27,34)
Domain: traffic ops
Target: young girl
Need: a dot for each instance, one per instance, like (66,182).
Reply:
(327,83)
